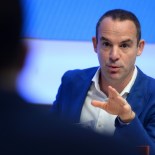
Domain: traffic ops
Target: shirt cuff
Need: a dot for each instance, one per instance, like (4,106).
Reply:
(119,122)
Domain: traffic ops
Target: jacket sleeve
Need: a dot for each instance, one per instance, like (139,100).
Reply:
(136,134)
(56,105)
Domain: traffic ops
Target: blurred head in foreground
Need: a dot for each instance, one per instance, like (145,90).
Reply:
(12,51)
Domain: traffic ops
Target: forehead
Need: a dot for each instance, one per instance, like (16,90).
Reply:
(117,28)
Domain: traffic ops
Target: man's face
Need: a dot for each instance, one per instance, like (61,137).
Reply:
(117,49)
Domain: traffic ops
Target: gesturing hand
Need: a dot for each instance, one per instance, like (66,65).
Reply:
(116,105)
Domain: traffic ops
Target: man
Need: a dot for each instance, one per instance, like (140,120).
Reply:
(27,128)
(116,98)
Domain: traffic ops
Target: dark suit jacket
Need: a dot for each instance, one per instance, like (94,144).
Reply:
(141,131)
(29,129)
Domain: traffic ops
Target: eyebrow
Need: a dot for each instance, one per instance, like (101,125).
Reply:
(104,39)
(127,41)
(124,41)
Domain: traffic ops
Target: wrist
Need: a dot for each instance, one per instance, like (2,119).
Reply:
(129,118)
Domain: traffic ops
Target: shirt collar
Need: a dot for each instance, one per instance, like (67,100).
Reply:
(125,91)
(95,79)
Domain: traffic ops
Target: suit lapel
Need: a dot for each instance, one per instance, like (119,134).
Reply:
(136,96)
(81,89)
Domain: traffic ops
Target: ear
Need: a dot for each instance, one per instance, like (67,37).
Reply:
(140,47)
(94,43)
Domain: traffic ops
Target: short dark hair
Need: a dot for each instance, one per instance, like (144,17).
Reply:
(10,31)
(120,14)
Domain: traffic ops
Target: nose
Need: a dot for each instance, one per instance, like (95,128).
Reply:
(114,54)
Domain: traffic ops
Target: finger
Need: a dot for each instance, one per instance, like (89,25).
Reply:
(99,104)
(121,101)
(112,92)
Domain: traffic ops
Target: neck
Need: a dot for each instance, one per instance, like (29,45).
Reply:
(118,85)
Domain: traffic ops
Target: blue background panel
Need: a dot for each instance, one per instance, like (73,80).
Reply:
(76,19)
(58,35)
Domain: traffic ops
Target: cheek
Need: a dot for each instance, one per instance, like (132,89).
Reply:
(129,60)
(102,57)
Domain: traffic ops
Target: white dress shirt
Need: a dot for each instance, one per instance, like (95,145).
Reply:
(96,118)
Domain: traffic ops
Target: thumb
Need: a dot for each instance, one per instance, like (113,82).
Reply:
(98,104)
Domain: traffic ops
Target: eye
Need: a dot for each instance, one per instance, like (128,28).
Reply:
(106,44)
(124,45)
